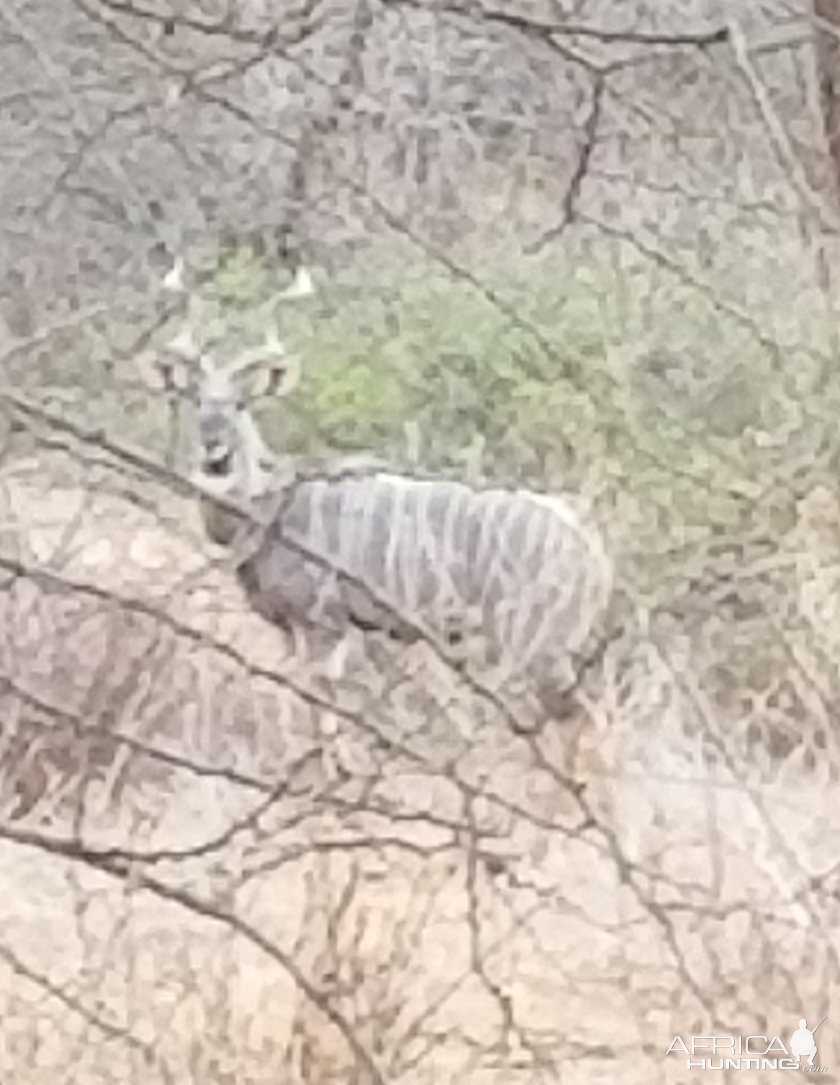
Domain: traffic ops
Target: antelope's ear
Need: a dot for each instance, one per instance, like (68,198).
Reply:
(279,374)
(153,371)
(174,368)
(266,371)
(183,361)
(164,373)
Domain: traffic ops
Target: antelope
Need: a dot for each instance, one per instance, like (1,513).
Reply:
(516,573)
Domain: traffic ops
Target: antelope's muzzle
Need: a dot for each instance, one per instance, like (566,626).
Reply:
(218,460)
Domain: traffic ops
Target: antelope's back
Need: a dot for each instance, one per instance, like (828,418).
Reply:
(519,570)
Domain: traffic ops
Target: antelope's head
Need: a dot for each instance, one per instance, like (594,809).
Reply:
(231,455)
(232,464)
